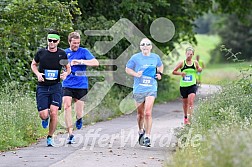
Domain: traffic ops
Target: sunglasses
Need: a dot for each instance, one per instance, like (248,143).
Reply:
(145,44)
(53,40)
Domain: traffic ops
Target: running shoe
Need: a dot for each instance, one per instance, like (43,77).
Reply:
(186,121)
(49,142)
(141,138)
(78,124)
(70,139)
(147,142)
(45,123)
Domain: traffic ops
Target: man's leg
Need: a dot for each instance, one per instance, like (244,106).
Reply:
(44,114)
(67,100)
(53,119)
(140,122)
(42,98)
(140,115)
(149,101)
(79,106)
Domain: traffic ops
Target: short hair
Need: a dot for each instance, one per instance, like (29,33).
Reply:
(145,39)
(53,32)
(74,35)
(189,49)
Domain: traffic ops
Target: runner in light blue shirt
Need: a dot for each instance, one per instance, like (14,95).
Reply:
(146,67)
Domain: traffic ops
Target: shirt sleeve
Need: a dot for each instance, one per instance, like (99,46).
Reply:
(64,58)
(36,58)
(131,64)
(88,54)
(159,63)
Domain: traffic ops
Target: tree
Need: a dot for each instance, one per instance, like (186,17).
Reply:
(236,35)
(24,25)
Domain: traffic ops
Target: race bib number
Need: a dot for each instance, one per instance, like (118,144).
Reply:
(51,74)
(188,78)
(146,81)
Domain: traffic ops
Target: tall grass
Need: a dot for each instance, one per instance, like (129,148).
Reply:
(218,73)
(19,121)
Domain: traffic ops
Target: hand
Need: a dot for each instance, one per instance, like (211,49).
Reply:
(76,62)
(63,75)
(158,76)
(139,74)
(40,77)
(199,69)
(183,74)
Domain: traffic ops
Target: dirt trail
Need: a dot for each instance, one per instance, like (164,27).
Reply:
(110,143)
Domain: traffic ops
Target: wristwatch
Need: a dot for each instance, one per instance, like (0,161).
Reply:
(160,73)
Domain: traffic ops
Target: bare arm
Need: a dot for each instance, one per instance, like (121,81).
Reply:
(161,68)
(199,69)
(34,68)
(160,72)
(133,73)
(176,72)
(92,62)
(64,74)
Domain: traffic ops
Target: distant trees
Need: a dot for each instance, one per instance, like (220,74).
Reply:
(237,35)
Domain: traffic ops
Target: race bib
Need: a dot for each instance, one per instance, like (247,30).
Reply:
(146,81)
(188,78)
(51,74)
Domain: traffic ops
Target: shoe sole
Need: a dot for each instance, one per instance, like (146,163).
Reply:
(148,146)
(71,142)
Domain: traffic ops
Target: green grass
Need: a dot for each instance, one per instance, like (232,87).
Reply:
(19,121)
(221,73)
(206,43)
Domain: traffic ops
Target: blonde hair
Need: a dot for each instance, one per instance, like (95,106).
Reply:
(189,49)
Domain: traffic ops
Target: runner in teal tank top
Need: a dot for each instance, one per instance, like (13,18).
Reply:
(188,70)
